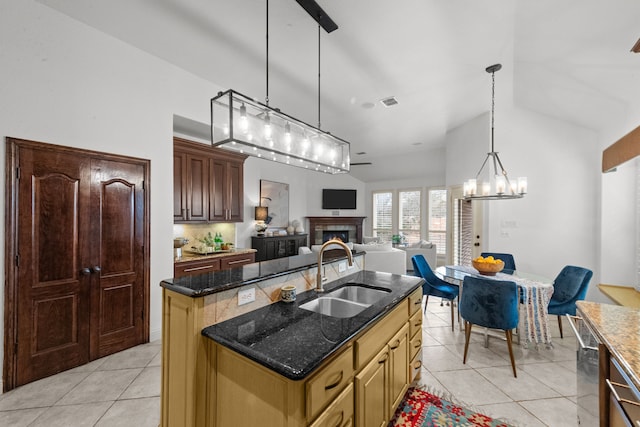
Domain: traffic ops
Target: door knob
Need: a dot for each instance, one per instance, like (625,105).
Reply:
(85,271)
(95,269)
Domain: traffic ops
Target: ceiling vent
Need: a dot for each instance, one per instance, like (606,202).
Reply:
(389,102)
(636,47)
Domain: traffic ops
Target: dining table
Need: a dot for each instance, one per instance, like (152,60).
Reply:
(535,292)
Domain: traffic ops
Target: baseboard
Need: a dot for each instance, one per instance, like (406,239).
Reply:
(155,335)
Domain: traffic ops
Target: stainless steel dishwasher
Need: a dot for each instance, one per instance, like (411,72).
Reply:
(587,373)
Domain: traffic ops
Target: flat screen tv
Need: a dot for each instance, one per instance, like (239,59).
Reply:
(338,199)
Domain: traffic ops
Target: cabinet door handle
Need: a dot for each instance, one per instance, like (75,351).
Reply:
(417,364)
(395,345)
(418,301)
(611,385)
(335,383)
(204,267)
(418,344)
(383,358)
(85,271)
(571,319)
(96,269)
(418,323)
(340,419)
(239,261)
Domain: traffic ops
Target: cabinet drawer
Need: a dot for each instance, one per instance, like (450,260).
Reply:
(329,382)
(373,340)
(415,301)
(196,267)
(415,365)
(339,413)
(415,345)
(415,324)
(234,261)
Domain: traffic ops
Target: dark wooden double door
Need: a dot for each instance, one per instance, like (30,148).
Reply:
(78,280)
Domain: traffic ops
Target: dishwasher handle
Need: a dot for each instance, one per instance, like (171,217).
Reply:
(571,319)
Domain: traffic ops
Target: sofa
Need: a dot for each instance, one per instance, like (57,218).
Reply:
(427,249)
(383,257)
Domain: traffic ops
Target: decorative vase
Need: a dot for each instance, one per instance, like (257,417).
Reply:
(290,230)
(299,229)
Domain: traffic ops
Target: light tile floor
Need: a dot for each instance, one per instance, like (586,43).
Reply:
(124,389)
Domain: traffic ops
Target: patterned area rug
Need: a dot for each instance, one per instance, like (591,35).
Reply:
(422,409)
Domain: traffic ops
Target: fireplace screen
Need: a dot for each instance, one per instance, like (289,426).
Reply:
(335,234)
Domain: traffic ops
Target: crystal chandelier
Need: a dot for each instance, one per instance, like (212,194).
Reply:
(245,125)
(482,189)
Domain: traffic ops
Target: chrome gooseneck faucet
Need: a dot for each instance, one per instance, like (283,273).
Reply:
(319,277)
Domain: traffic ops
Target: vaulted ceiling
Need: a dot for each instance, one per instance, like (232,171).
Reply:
(568,59)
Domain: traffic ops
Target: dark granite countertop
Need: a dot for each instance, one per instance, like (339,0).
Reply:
(218,281)
(292,341)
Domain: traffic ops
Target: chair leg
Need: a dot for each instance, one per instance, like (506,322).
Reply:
(467,335)
(508,334)
(426,301)
(560,326)
(452,316)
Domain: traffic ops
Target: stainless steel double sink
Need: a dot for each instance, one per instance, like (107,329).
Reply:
(347,301)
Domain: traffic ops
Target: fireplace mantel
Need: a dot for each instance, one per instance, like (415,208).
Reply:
(321,222)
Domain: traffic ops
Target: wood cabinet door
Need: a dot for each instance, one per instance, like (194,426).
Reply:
(235,191)
(52,266)
(197,188)
(179,186)
(371,392)
(117,256)
(398,367)
(218,183)
(77,230)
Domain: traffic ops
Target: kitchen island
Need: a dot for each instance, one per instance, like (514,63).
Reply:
(617,329)
(275,363)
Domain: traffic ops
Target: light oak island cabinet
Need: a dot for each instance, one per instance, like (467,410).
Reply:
(250,369)
(248,394)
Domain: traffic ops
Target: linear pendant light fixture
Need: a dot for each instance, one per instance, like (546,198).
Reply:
(245,125)
(479,189)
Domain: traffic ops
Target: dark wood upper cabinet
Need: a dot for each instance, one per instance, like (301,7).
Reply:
(208,183)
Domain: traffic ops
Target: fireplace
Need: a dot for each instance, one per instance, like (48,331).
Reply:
(350,225)
(335,234)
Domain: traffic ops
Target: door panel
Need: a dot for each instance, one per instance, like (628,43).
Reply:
(76,260)
(53,294)
(117,203)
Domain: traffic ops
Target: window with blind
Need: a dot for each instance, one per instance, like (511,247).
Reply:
(437,219)
(409,214)
(383,215)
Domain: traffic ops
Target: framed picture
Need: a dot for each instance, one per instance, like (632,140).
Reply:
(275,195)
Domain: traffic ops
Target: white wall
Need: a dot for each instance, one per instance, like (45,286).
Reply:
(558,222)
(66,83)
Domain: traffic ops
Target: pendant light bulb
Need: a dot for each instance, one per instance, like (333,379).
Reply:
(287,133)
(267,126)
(244,122)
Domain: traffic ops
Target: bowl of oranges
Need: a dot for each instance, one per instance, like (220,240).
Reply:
(488,266)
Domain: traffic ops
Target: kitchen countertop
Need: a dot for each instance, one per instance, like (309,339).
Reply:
(187,255)
(618,328)
(209,283)
(293,341)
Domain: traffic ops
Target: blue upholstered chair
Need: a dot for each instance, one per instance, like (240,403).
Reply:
(569,287)
(509,261)
(492,304)
(433,285)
